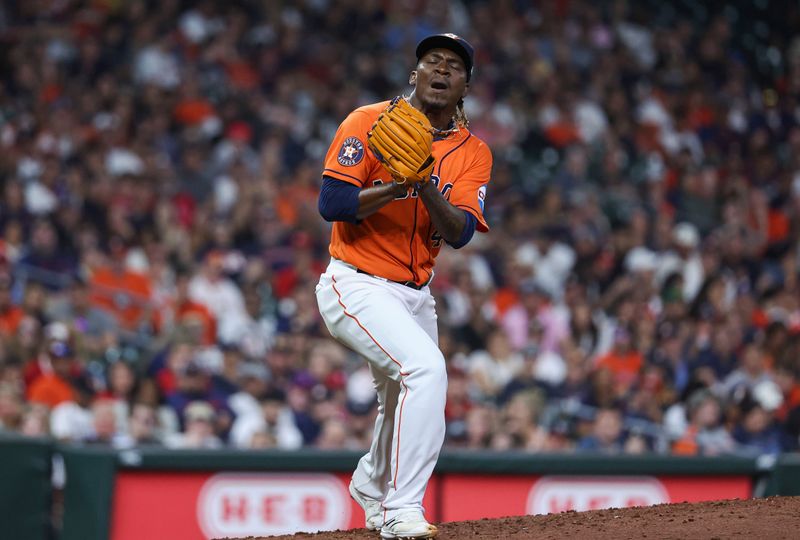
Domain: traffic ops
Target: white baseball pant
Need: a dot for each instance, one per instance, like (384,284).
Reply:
(394,327)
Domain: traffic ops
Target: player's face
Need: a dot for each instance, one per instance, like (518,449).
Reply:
(440,79)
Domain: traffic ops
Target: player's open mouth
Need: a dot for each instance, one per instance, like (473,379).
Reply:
(437,85)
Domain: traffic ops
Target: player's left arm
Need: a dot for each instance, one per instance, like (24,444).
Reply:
(464,206)
(448,220)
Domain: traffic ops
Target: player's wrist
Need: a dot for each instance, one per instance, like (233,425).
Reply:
(422,184)
(399,188)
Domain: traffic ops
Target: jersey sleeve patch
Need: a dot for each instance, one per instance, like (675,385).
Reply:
(352,152)
(481,196)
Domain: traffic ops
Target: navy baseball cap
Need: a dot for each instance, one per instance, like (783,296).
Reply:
(452,42)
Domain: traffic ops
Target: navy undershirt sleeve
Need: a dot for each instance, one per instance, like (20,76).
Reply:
(338,200)
(466,234)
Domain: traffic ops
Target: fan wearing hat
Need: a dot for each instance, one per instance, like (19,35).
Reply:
(198,418)
(684,258)
(55,385)
(387,232)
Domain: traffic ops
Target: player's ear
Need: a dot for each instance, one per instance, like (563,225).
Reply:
(412,79)
(466,90)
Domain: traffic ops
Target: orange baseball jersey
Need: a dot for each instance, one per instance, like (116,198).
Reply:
(399,242)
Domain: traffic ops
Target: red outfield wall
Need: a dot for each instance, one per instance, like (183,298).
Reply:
(202,505)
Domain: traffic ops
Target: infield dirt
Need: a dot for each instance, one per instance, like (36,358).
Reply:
(769,518)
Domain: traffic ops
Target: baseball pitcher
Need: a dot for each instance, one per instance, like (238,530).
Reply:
(401,178)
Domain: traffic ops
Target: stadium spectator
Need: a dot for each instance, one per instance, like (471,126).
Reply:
(684,259)
(274,420)
(253,380)
(93,329)
(491,370)
(623,361)
(121,390)
(142,428)
(752,370)
(225,381)
(479,429)
(457,407)
(10,315)
(46,261)
(217,293)
(181,311)
(193,385)
(104,425)
(198,418)
(35,421)
(606,434)
(335,435)
(520,421)
(704,434)
(53,385)
(11,408)
(757,430)
(72,420)
(125,293)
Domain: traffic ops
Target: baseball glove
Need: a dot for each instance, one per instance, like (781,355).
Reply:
(401,139)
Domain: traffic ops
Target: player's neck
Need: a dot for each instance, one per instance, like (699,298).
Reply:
(441,119)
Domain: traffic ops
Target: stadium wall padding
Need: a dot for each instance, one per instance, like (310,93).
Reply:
(25,487)
(91,471)
(26,469)
(88,492)
(785,477)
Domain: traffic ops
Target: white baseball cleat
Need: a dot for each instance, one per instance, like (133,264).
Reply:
(411,524)
(372,508)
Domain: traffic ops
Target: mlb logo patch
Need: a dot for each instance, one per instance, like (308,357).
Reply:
(481,197)
(352,152)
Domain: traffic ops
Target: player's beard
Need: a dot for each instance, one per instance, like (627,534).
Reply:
(437,104)
(434,106)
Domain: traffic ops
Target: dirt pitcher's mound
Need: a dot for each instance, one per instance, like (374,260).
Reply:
(773,518)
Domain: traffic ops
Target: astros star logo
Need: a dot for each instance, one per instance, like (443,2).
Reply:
(352,152)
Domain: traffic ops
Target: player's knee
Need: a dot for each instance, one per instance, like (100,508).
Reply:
(434,370)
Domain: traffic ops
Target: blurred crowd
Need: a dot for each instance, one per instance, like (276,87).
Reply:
(160,242)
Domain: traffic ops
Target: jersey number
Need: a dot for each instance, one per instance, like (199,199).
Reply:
(436,238)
